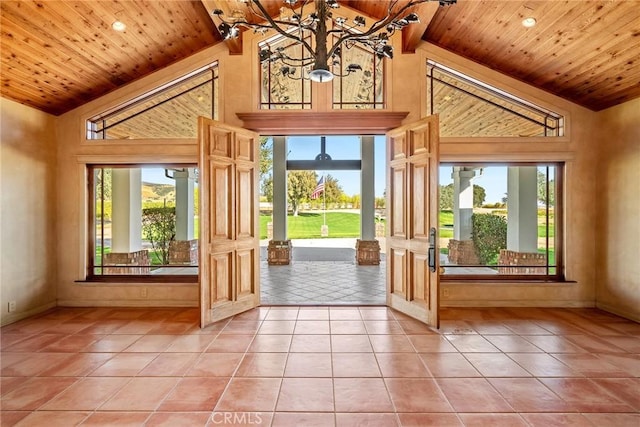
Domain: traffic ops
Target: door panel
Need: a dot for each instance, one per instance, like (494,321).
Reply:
(246,283)
(221,267)
(220,215)
(398,203)
(412,287)
(246,207)
(398,285)
(229,264)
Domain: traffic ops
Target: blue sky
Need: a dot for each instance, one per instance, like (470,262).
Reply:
(341,148)
(493,179)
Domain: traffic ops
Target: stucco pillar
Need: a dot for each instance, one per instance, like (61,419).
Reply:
(367,247)
(462,202)
(126,210)
(184,203)
(279,249)
(279,188)
(367,189)
(522,209)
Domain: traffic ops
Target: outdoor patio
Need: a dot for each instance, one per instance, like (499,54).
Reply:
(322,272)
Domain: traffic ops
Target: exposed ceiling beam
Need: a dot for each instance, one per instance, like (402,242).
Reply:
(235,44)
(412,34)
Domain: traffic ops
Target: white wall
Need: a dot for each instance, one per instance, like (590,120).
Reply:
(27,210)
(617,203)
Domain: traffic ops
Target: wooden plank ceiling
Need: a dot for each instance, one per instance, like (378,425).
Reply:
(57,55)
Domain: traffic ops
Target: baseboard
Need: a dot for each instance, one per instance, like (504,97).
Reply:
(516,303)
(127,303)
(622,312)
(14,317)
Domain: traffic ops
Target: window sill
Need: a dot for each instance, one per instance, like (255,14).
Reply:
(506,281)
(134,280)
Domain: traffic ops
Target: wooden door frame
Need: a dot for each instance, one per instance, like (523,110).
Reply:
(290,123)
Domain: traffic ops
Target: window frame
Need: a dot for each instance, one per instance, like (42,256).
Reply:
(545,114)
(94,133)
(90,275)
(558,238)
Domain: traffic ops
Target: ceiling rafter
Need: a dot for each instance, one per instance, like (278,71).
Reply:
(233,44)
(412,34)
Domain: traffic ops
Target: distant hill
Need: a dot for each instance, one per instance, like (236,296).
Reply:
(152,192)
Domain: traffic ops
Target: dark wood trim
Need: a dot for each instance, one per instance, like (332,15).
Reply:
(314,123)
(324,165)
(127,279)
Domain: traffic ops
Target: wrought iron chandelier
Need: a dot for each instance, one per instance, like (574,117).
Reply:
(295,23)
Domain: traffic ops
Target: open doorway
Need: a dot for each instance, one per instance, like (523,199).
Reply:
(321,198)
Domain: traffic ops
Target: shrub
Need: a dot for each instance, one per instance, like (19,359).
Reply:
(159,228)
(489,235)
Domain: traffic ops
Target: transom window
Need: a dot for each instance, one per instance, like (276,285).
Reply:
(363,89)
(470,108)
(285,86)
(169,111)
(279,89)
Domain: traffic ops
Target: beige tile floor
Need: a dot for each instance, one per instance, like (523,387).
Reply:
(321,366)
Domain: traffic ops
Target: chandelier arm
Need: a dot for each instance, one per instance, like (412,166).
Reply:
(303,62)
(277,27)
(376,26)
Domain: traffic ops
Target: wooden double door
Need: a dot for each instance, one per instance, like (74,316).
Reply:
(229,220)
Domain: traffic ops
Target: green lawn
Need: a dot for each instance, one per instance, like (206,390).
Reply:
(346,224)
(307,225)
(445,219)
(542,230)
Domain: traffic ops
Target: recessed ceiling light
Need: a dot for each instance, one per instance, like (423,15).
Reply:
(118,26)
(529,22)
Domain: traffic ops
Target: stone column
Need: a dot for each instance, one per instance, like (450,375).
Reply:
(367,189)
(521,255)
(279,249)
(184,203)
(462,202)
(522,209)
(126,215)
(367,247)
(279,188)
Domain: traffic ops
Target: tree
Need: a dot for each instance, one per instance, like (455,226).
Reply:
(333,191)
(266,155)
(355,201)
(542,190)
(159,228)
(267,188)
(103,182)
(300,186)
(479,194)
(265,167)
(446,196)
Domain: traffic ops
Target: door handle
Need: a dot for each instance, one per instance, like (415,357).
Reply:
(432,250)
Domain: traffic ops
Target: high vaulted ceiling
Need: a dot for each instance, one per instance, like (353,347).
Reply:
(57,55)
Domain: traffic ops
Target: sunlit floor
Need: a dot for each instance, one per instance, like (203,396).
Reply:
(321,366)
